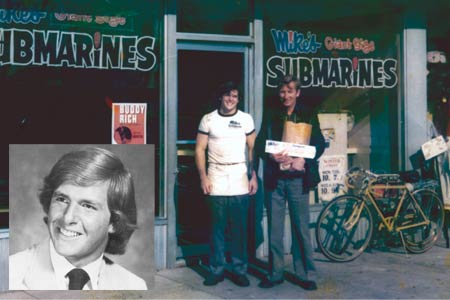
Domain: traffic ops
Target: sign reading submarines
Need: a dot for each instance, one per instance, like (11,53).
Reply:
(327,72)
(24,47)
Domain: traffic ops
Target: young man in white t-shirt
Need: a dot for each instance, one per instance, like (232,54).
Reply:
(228,182)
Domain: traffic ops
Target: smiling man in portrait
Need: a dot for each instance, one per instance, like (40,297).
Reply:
(89,203)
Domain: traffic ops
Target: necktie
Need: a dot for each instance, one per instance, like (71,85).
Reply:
(77,279)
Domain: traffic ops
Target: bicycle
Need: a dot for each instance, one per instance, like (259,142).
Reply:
(345,225)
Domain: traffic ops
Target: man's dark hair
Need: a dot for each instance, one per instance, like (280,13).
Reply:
(226,88)
(124,132)
(288,79)
(89,166)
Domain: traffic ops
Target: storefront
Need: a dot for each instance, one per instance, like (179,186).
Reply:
(361,64)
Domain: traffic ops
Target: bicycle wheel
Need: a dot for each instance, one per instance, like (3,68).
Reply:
(419,239)
(344,228)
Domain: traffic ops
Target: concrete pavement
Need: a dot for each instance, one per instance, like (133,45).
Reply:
(376,274)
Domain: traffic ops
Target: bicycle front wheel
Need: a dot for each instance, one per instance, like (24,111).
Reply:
(419,239)
(344,228)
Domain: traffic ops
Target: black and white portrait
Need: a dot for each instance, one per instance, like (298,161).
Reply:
(81,217)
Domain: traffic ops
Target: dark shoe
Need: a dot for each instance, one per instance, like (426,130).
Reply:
(240,280)
(308,285)
(267,283)
(212,279)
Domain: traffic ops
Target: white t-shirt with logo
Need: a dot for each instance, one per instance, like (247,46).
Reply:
(227,137)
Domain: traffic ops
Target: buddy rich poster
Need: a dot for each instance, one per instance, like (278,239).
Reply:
(129,123)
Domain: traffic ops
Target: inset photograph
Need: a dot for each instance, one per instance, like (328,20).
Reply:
(81,217)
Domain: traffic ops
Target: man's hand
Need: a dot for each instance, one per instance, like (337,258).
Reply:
(298,164)
(205,185)
(281,157)
(253,184)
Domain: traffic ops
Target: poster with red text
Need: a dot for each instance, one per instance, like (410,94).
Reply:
(129,123)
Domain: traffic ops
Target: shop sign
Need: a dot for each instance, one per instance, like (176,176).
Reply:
(357,44)
(89,19)
(9,16)
(328,72)
(57,48)
(129,123)
(293,42)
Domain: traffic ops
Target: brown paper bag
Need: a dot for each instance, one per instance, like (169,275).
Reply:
(298,133)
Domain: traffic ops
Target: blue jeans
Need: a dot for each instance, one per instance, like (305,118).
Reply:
(290,190)
(229,211)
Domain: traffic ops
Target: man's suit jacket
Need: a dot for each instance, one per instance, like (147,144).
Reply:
(32,269)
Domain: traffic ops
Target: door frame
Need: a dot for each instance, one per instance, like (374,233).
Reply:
(166,247)
(201,249)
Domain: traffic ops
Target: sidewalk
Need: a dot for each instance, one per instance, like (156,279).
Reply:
(375,274)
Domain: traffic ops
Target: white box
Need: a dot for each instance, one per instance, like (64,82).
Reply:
(295,150)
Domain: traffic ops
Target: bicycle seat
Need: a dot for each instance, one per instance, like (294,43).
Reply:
(409,186)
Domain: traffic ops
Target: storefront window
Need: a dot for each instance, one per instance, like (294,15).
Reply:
(438,101)
(63,64)
(438,71)
(349,72)
(205,16)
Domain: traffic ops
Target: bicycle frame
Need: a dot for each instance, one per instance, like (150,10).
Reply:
(415,215)
(391,221)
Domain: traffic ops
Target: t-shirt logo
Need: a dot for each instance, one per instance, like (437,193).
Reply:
(234,124)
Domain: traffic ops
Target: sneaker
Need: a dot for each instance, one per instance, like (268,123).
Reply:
(240,280)
(212,279)
(308,285)
(267,283)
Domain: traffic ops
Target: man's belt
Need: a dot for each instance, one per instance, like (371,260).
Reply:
(226,164)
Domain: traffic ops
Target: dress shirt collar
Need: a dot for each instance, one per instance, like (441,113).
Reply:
(62,266)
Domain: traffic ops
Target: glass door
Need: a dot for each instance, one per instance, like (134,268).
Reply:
(201,69)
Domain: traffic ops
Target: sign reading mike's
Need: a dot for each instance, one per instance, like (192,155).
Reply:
(328,63)
(61,48)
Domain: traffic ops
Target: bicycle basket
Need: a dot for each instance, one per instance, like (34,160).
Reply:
(356,180)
